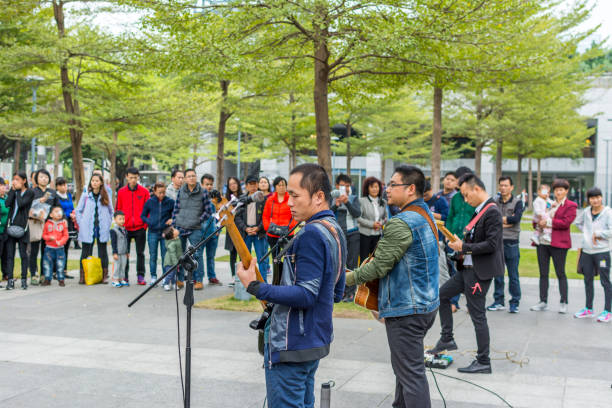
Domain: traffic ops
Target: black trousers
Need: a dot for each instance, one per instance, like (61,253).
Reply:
(405,336)
(140,237)
(558,255)
(233,259)
(367,245)
(352,259)
(475,290)
(66,248)
(592,265)
(35,248)
(88,251)
(9,252)
(3,238)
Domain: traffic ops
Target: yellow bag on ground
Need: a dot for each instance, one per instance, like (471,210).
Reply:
(92,267)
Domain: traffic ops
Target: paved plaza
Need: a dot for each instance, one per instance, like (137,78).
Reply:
(83,347)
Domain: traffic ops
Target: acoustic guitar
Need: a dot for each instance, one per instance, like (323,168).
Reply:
(226,211)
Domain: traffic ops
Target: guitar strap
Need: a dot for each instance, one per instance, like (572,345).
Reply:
(478,216)
(328,225)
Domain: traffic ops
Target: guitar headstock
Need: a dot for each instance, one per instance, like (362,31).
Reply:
(225,211)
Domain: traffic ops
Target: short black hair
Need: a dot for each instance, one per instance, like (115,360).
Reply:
(412,175)
(593,192)
(504,178)
(118,213)
(278,180)
(461,171)
(60,181)
(560,183)
(345,178)
(42,171)
(450,173)
(176,171)
(427,186)
(189,170)
(461,179)
(472,180)
(314,179)
(168,232)
(132,170)
(207,177)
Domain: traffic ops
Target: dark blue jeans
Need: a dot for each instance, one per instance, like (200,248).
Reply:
(260,245)
(511,257)
(155,239)
(290,385)
(211,250)
(54,258)
(194,238)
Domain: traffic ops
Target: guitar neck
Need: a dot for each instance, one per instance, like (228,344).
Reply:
(241,248)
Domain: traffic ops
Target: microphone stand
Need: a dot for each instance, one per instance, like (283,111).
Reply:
(189,263)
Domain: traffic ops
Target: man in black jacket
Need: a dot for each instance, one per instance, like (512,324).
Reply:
(483,260)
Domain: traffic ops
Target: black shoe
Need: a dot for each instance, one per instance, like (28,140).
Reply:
(10,285)
(476,368)
(24,284)
(66,276)
(443,346)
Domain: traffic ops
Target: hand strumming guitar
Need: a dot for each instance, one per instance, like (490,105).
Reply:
(456,245)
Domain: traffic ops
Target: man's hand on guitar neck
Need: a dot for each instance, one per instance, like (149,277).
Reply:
(457,244)
(248,275)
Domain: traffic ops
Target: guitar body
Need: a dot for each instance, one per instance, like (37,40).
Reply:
(367,293)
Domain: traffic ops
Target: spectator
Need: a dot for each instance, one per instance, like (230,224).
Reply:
(449,187)
(55,235)
(109,190)
(173,255)
(264,186)
(65,199)
(191,209)
(94,214)
(595,222)
(176,181)
(157,214)
(511,208)
(249,221)
(131,200)
(437,204)
(277,219)
(119,246)
(232,189)
(4,212)
(347,210)
(562,214)
(208,227)
(19,200)
(373,216)
(45,198)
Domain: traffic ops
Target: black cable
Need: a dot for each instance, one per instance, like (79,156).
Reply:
(178,334)
(471,383)
(264,403)
(437,386)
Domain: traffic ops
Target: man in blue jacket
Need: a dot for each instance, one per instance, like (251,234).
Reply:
(406,264)
(299,331)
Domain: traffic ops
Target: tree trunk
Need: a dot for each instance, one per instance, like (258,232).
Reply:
(498,159)
(17,159)
(321,77)
(529,184)
(293,150)
(349,156)
(223,117)
(72,109)
(478,158)
(56,161)
(194,159)
(539,175)
(383,169)
(436,145)
(519,174)
(113,166)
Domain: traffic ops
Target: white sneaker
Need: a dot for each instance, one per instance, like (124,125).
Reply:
(167,287)
(563,308)
(540,307)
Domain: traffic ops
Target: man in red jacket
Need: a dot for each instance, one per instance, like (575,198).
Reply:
(131,200)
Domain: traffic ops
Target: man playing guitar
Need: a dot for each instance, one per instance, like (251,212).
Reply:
(406,262)
(299,331)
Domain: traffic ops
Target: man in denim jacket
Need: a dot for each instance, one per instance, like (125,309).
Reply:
(406,262)
(299,331)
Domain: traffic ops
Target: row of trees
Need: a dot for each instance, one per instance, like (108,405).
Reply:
(505,76)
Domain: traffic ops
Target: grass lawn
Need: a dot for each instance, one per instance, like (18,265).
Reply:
(228,302)
(72,265)
(528,265)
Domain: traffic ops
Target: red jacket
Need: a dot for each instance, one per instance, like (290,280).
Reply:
(55,233)
(279,215)
(565,215)
(131,202)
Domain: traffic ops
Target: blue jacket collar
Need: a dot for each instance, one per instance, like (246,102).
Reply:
(418,201)
(321,214)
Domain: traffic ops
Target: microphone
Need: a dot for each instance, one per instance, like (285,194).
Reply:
(256,197)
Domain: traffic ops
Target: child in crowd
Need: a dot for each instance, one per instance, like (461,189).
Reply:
(65,199)
(55,235)
(174,250)
(119,244)
(541,207)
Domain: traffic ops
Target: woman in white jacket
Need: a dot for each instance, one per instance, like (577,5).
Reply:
(373,216)
(595,222)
